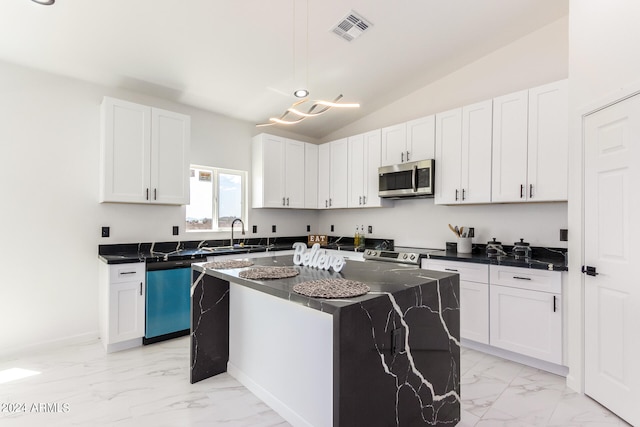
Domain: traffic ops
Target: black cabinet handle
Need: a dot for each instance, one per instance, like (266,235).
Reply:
(407,156)
(522,278)
(530,191)
(554,303)
(287,201)
(127,272)
(155,194)
(463,194)
(364,200)
(456,194)
(140,288)
(147,194)
(402,157)
(451,269)
(521,191)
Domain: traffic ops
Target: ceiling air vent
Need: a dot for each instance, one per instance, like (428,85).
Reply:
(351,27)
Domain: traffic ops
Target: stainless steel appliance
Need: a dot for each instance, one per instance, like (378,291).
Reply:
(402,255)
(411,179)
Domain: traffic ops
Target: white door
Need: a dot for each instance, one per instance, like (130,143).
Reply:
(324,181)
(509,154)
(339,175)
(170,141)
(475,168)
(548,145)
(394,144)
(612,297)
(421,138)
(356,170)
(294,173)
(448,146)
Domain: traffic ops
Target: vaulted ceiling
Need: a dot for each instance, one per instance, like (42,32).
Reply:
(245,58)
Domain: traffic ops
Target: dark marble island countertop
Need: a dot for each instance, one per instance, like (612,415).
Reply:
(395,350)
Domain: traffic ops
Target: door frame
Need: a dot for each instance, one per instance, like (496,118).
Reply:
(574,358)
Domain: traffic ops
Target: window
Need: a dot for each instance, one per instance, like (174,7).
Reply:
(218,196)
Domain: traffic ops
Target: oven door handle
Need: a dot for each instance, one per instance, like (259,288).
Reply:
(414,178)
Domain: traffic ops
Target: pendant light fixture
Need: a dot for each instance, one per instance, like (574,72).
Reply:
(317,107)
(44,2)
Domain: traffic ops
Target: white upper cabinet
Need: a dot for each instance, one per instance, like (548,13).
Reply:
(475,182)
(530,145)
(448,156)
(310,176)
(333,174)
(407,142)
(364,161)
(278,172)
(548,147)
(509,168)
(144,154)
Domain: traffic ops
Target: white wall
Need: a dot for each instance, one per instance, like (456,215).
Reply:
(535,59)
(51,217)
(603,39)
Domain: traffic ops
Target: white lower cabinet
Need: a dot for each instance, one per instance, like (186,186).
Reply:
(526,315)
(122,305)
(474,296)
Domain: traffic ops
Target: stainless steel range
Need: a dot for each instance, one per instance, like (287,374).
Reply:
(400,254)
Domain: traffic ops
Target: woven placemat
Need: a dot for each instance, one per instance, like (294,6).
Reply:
(331,288)
(229,263)
(269,273)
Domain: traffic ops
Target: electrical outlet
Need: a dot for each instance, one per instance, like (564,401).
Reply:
(308,228)
(370,229)
(255,229)
(564,235)
(273,228)
(332,229)
(105,231)
(176,230)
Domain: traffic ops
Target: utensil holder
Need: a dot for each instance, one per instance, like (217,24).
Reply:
(464,245)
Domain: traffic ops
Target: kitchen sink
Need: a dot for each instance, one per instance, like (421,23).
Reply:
(232,248)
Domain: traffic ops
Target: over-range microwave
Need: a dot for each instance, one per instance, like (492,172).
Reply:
(410,179)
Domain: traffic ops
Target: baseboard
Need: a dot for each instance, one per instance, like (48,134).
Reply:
(123,345)
(50,345)
(515,357)
(273,402)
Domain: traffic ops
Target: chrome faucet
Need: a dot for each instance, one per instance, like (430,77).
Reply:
(234,223)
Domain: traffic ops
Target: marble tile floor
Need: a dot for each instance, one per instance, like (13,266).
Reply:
(150,386)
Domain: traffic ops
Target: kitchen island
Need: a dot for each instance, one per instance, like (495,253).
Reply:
(389,357)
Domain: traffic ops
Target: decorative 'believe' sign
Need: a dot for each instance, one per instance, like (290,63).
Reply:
(316,258)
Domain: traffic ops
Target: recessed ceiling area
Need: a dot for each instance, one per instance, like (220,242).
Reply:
(244,59)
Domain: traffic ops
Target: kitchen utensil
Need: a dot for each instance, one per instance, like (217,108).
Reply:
(454,230)
(457,231)
(462,232)
(464,245)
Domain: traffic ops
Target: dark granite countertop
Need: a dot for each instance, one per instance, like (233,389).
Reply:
(542,258)
(194,249)
(382,277)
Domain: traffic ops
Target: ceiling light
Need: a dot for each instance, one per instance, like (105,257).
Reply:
(301,93)
(312,112)
(44,2)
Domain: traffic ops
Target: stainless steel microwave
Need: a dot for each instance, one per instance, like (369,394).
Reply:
(410,179)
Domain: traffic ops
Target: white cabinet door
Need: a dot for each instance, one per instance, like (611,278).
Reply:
(372,144)
(294,173)
(421,139)
(125,151)
(356,170)
(268,171)
(339,174)
(170,142)
(475,181)
(509,160)
(548,144)
(126,315)
(394,144)
(526,322)
(448,155)
(310,176)
(324,178)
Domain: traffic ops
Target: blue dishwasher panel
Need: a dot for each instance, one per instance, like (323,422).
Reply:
(168,301)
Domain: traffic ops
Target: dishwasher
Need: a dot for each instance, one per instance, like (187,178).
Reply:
(168,300)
